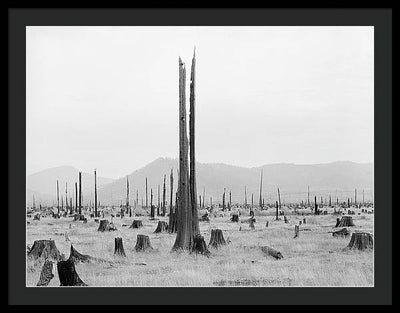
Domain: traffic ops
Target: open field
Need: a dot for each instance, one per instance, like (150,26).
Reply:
(315,258)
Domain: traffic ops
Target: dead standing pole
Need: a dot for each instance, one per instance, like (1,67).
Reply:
(58,199)
(80,193)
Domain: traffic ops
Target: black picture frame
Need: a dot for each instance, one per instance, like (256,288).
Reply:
(380,18)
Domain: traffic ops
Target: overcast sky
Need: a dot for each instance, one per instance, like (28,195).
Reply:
(107,97)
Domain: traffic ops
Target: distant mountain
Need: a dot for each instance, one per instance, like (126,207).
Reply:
(43,185)
(331,179)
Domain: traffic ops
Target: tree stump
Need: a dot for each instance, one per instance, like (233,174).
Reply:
(251,223)
(68,275)
(136,224)
(235,218)
(119,247)
(361,241)
(296,231)
(44,249)
(337,222)
(204,218)
(46,275)
(272,252)
(161,227)
(36,217)
(199,246)
(346,221)
(300,223)
(77,257)
(286,220)
(105,225)
(341,233)
(217,238)
(143,243)
(266,224)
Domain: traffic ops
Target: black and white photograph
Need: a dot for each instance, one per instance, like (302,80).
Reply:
(200,156)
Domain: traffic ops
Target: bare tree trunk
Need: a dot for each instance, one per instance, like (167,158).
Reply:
(245,197)
(223,201)
(163,198)
(172,212)
(95,194)
(80,193)
(184,237)
(76,197)
(146,195)
(192,148)
(261,181)
(152,213)
(58,199)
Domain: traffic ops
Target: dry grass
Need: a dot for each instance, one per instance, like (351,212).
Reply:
(315,258)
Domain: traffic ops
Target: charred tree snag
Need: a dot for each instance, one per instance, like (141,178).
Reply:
(152,209)
(235,218)
(192,148)
(361,241)
(271,252)
(276,212)
(316,211)
(136,224)
(58,199)
(223,201)
(44,249)
(266,224)
(185,231)
(80,193)
(77,257)
(161,227)
(105,225)
(158,200)
(127,195)
(199,246)
(217,238)
(119,247)
(146,195)
(163,199)
(260,203)
(285,219)
(341,233)
(346,221)
(337,222)
(95,194)
(46,275)
(172,212)
(296,231)
(143,243)
(245,197)
(76,197)
(68,275)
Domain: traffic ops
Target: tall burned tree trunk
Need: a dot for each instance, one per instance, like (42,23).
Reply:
(66,197)
(355,196)
(158,200)
(185,228)
(58,199)
(276,212)
(204,196)
(80,193)
(146,195)
(192,151)
(279,198)
(308,195)
(95,194)
(245,197)
(230,199)
(127,194)
(172,212)
(315,205)
(261,181)
(152,213)
(223,201)
(76,197)
(163,199)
